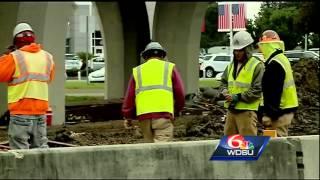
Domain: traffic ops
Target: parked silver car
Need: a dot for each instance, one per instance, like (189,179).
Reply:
(297,55)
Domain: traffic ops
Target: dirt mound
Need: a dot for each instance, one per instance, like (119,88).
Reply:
(210,121)
(97,133)
(306,75)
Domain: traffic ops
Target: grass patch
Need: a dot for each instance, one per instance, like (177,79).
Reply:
(83,85)
(209,83)
(82,99)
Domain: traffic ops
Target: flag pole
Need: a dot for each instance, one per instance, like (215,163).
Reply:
(231,28)
(305,41)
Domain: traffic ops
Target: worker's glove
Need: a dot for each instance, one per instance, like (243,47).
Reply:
(233,98)
(128,124)
(266,121)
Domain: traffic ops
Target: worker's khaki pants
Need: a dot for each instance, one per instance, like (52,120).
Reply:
(281,125)
(27,128)
(156,130)
(243,123)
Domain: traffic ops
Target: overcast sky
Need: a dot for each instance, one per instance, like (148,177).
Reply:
(253,7)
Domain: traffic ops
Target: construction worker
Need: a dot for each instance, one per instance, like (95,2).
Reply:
(278,86)
(27,69)
(155,95)
(241,87)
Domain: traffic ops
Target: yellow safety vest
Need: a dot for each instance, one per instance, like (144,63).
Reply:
(243,83)
(154,87)
(31,76)
(289,97)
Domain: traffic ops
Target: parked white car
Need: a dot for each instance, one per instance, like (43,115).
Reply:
(97,76)
(72,62)
(316,50)
(213,64)
(96,63)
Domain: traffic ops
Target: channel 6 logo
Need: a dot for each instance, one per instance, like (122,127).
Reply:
(237,147)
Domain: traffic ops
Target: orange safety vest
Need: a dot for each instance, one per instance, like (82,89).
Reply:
(31,76)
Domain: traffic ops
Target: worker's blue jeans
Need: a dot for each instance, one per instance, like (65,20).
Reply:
(27,131)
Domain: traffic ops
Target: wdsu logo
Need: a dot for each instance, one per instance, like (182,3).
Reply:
(237,147)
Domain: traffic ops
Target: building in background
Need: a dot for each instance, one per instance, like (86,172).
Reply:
(77,36)
(84,31)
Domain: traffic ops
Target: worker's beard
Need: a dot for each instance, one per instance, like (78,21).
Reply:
(19,42)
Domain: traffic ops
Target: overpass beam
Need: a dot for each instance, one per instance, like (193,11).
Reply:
(177,26)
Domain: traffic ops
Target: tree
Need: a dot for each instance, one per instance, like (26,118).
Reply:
(280,17)
(291,20)
(308,16)
(252,29)
(84,58)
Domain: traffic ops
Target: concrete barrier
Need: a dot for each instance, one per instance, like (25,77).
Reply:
(289,158)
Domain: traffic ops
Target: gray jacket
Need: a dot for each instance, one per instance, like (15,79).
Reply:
(255,91)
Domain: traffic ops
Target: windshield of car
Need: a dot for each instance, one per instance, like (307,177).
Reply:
(294,55)
(222,58)
(308,55)
(206,58)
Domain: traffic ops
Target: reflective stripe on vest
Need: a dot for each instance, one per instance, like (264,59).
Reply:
(289,98)
(28,76)
(31,76)
(153,87)
(242,83)
(164,86)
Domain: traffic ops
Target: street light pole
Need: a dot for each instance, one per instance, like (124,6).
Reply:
(87,66)
(305,41)
(231,28)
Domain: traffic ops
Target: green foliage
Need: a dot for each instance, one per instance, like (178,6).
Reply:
(291,20)
(83,85)
(209,83)
(83,56)
(82,99)
(308,16)
(286,19)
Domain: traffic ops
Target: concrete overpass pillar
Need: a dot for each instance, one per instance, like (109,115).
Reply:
(125,32)
(177,26)
(8,17)
(111,28)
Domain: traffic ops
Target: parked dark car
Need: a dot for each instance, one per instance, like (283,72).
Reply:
(297,55)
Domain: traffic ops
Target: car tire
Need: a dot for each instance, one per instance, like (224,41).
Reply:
(210,73)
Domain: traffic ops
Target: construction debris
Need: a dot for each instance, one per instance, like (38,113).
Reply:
(306,121)
(202,118)
(211,120)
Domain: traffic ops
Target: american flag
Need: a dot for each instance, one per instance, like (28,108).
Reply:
(239,19)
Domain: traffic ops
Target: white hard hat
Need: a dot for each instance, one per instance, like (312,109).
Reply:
(154,46)
(20,28)
(241,40)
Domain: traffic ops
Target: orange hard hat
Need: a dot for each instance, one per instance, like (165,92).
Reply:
(269,35)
